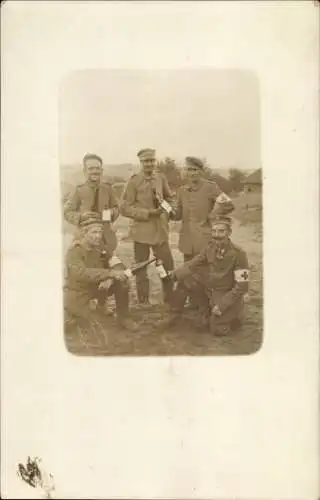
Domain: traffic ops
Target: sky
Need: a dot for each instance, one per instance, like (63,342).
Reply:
(212,114)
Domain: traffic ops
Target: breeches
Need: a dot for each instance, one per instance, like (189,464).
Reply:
(142,253)
(206,298)
(77,303)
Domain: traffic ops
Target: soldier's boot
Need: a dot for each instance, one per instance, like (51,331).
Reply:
(177,301)
(222,330)
(121,292)
(218,329)
(201,321)
(167,287)
(143,287)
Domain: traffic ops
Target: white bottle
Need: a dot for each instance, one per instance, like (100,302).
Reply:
(160,269)
(166,206)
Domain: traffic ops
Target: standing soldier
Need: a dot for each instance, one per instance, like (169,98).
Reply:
(150,226)
(197,202)
(218,277)
(94,196)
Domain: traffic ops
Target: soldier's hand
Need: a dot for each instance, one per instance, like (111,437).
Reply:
(88,214)
(105,285)
(172,275)
(216,311)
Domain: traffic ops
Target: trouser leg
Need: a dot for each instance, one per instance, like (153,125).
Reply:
(163,252)
(190,286)
(192,302)
(187,257)
(141,253)
(121,295)
(232,317)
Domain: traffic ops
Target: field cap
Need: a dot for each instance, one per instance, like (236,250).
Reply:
(194,161)
(146,154)
(221,219)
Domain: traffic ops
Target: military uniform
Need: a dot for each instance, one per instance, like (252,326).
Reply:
(217,277)
(147,230)
(90,197)
(84,273)
(196,206)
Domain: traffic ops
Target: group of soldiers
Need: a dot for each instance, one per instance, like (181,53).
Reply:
(214,277)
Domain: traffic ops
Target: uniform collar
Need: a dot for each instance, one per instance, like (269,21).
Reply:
(93,185)
(143,177)
(195,187)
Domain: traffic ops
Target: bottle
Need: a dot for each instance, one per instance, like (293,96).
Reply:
(160,203)
(161,270)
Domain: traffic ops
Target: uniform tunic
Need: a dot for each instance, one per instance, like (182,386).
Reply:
(137,200)
(84,273)
(196,205)
(215,278)
(82,200)
(148,232)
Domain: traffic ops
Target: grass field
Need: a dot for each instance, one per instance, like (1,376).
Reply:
(181,340)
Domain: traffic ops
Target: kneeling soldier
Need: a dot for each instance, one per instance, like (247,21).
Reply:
(88,280)
(218,278)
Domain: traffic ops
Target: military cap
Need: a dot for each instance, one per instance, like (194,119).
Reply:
(146,153)
(221,219)
(90,220)
(194,161)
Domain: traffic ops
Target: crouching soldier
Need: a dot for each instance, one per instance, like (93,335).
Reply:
(218,279)
(90,278)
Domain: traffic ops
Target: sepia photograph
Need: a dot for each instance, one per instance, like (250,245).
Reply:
(161,198)
(159,274)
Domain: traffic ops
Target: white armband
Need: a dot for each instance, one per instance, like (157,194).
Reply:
(223,198)
(128,273)
(114,261)
(241,275)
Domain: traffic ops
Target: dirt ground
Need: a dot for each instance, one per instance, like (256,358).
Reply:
(182,339)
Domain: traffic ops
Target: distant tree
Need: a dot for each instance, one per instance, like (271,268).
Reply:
(169,168)
(113,178)
(236,176)
(223,183)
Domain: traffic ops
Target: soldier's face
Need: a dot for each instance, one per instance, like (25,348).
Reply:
(193,173)
(93,236)
(220,232)
(148,165)
(93,170)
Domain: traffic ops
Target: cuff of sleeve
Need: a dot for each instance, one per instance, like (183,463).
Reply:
(142,214)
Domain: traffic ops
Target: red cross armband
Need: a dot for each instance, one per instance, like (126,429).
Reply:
(241,275)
